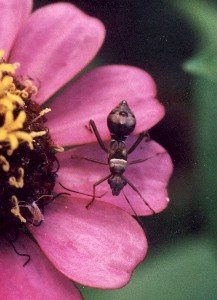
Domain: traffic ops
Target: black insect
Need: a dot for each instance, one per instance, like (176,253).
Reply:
(121,123)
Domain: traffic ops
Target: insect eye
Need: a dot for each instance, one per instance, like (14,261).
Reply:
(123,113)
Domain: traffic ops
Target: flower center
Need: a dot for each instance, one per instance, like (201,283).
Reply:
(27,155)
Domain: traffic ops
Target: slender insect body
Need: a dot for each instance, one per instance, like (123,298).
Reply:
(121,123)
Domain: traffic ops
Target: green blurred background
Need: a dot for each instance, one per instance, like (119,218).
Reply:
(176,42)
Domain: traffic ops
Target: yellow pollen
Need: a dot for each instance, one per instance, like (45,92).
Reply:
(9,68)
(8,90)
(12,124)
(5,105)
(2,53)
(10,131)
(35,134)
(4,163)
(16,209)
(5,84)
(9,95)
(19,182)
(12,113)
(15,98)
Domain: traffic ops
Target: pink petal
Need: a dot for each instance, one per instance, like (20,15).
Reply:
(150,177)
(97,247)
(93,97)
(13,15)
(56,43)
(37,280)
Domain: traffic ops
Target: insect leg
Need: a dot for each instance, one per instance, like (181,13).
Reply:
(138,141)
(137,161)
(128,201)
(136,190)
(94,189)
(90,159)
(76,192)
(96,132)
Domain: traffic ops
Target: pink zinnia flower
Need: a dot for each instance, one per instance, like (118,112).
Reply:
(102,245)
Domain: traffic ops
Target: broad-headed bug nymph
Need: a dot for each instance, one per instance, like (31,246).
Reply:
(121,123)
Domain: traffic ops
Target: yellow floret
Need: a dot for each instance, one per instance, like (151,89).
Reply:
(16,209)
(10,132)
(9,68)
(2,53)
(17,182)
(10,95)
(4,163)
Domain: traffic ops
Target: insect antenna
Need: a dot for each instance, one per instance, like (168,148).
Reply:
(60,194)
(11,241)
(58,165)
(20,254)
(90,159)
(80,193)
(140,160)
(137,217)
(53,197)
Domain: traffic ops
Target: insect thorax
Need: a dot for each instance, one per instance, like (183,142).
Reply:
(117,150)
